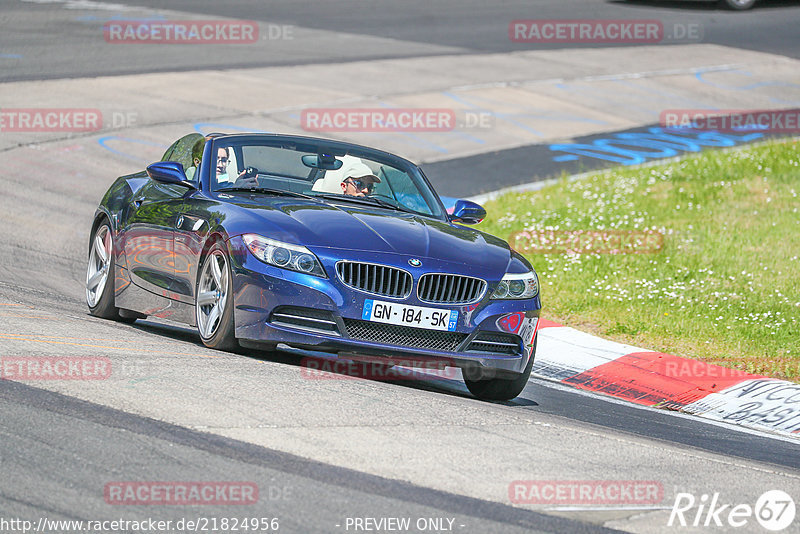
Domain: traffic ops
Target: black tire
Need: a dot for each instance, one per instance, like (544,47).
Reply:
(738,5)
(379,371)
(501,389)
(219,335)
(102,304)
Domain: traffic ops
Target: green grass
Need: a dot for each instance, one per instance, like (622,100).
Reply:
(724,289)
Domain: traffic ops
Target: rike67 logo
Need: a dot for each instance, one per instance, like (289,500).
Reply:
(774,510)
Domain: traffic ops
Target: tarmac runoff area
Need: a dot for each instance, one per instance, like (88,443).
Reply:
(429,109)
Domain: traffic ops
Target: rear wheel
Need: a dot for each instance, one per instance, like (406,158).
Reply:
(100,276)
(501,389)
(214,300)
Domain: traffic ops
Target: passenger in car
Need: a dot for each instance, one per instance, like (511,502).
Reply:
(223,161)
(223,157)
(197,154)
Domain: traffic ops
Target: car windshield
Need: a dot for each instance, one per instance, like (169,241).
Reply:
(352,177)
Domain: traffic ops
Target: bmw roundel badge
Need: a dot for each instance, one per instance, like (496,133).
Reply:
(414,262)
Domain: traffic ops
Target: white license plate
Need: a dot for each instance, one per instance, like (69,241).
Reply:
(401,314)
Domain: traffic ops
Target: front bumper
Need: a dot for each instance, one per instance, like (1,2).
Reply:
(278,306)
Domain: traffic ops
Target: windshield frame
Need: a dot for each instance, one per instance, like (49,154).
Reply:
(312,145)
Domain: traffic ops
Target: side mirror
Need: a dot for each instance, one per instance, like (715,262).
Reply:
(169,172)
(467,212)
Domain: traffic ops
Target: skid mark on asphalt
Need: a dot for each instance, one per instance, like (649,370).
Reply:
(28,316)
(80,338)
(543,113)
(747,85)
(662,93)
(506,117)
(15,337)
(116,139)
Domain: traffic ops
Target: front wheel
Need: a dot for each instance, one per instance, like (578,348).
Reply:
(100,276)
(501,389)
(214,300)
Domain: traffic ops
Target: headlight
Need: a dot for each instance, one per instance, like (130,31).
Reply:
(517,286)
(283,255)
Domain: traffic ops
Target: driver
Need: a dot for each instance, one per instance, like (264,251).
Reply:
(359,186)
(353,178)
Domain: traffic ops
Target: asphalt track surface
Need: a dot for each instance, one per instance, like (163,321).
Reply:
(321,453)
(306,496)
(468,26)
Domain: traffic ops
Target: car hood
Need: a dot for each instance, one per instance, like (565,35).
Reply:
(354,226)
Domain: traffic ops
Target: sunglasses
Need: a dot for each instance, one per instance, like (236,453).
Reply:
(361,184)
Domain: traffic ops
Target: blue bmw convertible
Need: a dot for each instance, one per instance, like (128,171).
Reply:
(262,240)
